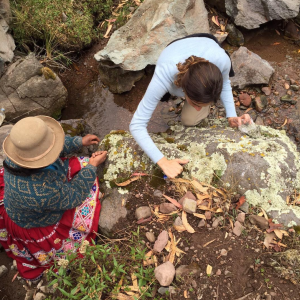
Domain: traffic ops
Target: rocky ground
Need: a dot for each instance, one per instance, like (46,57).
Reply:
(242,267)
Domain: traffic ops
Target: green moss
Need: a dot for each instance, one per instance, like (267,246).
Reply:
(157,179)
(57,114)
(170,140)
(182,147)
(68,129)
(48,73)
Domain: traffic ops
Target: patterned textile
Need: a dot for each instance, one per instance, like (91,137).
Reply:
(34,249)
(41,198)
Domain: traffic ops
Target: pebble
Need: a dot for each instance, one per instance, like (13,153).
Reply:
(178,222)
(238,228)
(286,86)
(266,90)
(189,205)
(167,208)
(143,212)
(245,207)
(39,296)
(259,221)
(259,121)
(165,273)
(218,273)
(14,265)
(183,270)
(260,102)
(157,193)
(45,289)
(29,294)
(295,87)
(208,215)
(186,249)
(163,290)
(131,8)
(201,223)
(241,217)
(150,236)
(161,241)
(189,195)
(286,77)
(223,252)
(268,297)
(216,222)
(3,270)
(245,99)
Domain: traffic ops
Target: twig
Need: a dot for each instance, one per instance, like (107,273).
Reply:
(244,297)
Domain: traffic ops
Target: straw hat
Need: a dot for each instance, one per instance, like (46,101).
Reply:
(34,142)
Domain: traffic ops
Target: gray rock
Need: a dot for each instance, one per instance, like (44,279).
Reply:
(235,37)
(3,270)
(152,27)
(288,99)
(216,222)
(157,193)
(112,212)
(223,252)
(221,37)
(39,296)
(189,205)
(165,273)
(245,207)
(26,90)
(249,68)
(251,14)
(29,294)
(187,270)
(44,289)
(201,223)
(7,46)
(170,289)
(143,212)
(150,236)
(294,87)
(5,12)
(161,242)
(259,121)
(264,165)
(167,208)
(178,222)
(259,221)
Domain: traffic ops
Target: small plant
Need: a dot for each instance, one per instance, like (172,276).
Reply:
(102,270)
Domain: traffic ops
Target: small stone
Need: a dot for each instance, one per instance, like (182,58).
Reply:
(286,86)
(157,193)
(29,294)
(259,121)
(286,77)
(189,195)
(216,222)
(226,272)
(150,236)
(273,294)
(238,228)
(163,290)
(207,215)
(189,205)
(223,252)
(266,90)
(161,242)
(131,8)
(143,212)
(218,273)
(245,207)
(241,217)
(178,222)
(167,208)
(268,297)
(171,109)
(288,99)
(289,92)
(201,223)
(245,99)
(39,296)
(3,270)
(259,221)
(260,102)
(194,284)
(165,273)
(295,87)
(186,249)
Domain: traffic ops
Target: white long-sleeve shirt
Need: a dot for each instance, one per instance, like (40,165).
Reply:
(163,82)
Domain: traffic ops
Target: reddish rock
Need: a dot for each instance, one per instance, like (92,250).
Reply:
(245,99)
(261,102)
(167,208)
(188,195)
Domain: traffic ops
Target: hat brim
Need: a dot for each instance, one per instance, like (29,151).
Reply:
(49,158)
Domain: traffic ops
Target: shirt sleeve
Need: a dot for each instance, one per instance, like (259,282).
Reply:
(138,126)
(71,194)
(226,94)
(72,145)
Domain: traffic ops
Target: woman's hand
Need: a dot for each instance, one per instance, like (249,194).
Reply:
(98,158)
(238,121)
(90,139)
(173,167)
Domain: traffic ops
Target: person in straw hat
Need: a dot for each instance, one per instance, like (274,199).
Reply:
(50,203)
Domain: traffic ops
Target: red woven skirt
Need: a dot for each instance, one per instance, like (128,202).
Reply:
(34,249)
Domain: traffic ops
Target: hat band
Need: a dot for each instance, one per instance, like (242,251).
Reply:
(41,155)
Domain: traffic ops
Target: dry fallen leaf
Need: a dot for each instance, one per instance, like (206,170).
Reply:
(275,44)
(264,213)
(179,228)
(278,233)
(241,201)
(223,28)
(176,203)
(206,244)
(197,185)
(109,27)
(273,226)
(215,20)
(185,294)
(208,270)
(128,181)
(269,239)
(248,109)
(285,121)
(277,32)
(185,223)
(201,216)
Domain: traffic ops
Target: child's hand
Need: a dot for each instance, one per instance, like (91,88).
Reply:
(98,158)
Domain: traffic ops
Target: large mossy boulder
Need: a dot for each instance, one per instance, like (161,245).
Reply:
(264,166)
